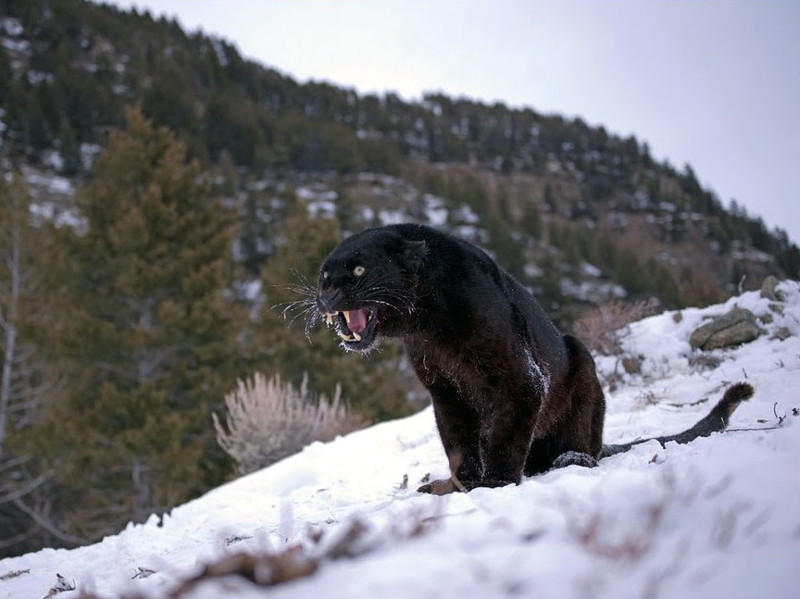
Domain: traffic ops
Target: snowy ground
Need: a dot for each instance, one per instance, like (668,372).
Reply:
(719,517)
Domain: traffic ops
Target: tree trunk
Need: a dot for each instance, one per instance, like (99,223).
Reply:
(8,322)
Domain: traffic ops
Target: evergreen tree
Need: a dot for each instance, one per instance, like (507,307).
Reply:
(507,250)
(531,223)
(28,378)
(6,73)
(151,340)
(68,148)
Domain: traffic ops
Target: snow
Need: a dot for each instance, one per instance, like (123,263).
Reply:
(88,154)
(222,57)
(435,210)
(53,160)
(594,291)
(15,45)
(321,202)
(465,214)
(250,291)
(53,184)
(719,517)
(590,270)
(392,217)
(12,26)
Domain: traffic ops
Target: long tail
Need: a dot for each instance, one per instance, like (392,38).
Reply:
(716,420)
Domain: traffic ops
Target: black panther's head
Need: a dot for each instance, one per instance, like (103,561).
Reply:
(367,286)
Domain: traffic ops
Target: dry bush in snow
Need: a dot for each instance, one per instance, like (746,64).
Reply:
(600,329)
(268,420)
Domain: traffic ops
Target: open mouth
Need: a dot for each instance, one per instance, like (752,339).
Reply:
(357,328)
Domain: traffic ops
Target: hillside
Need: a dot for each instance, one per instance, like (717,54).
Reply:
(715,518)
(164,199)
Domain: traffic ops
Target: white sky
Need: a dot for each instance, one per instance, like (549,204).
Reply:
(712,83)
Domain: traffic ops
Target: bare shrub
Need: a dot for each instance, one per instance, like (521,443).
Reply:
(601,328)
(268,420)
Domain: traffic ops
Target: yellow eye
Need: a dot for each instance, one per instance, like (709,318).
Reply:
(359,270)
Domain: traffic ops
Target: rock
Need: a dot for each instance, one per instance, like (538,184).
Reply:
(734,328)
(632,364)
(782,334)
(777,308)
(705,362)
(769,291)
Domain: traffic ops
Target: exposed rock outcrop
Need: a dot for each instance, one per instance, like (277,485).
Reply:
(734,328)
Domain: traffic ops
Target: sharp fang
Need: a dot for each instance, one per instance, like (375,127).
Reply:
(348,337)
(357,336)
(329,319)
(347,316)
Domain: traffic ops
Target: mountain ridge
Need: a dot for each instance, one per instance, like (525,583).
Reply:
(78,64)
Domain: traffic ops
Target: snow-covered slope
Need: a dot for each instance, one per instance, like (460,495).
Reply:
(719,517)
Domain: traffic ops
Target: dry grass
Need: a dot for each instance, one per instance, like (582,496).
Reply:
(601,328)
(268,420)
(296,561)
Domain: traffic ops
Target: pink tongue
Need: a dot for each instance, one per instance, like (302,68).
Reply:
(358,321)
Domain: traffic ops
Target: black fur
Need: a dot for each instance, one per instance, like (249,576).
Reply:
(512,396)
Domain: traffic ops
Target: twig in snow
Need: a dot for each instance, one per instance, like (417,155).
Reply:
(263,570)
(14,574)
(61,586)
(779,424)
(775,411)
(349,544)
(236,539)
(753,429)
(143,573)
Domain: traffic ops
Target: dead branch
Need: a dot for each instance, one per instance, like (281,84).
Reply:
(16,494)
(48,526)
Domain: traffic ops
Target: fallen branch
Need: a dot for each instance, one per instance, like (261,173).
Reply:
(293,563)
(780,419)
(746,430)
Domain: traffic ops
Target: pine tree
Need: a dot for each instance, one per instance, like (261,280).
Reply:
(25,308)
(152,336)
(6,73)
(531,223)
(28,375)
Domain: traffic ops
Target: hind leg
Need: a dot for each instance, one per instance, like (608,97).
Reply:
(570,426)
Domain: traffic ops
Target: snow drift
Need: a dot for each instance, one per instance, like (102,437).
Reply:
(719,517)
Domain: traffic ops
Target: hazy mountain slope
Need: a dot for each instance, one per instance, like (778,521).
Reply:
(72,66)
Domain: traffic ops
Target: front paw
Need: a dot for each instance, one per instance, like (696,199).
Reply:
(439,487)
(447,486)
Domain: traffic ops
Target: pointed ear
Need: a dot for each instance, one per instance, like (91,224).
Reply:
(414,253)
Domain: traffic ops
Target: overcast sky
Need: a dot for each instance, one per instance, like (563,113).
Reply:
(711,83)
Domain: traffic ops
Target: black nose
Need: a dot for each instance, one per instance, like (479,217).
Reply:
(329,299)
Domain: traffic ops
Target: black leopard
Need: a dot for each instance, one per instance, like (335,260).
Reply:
(512,395)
